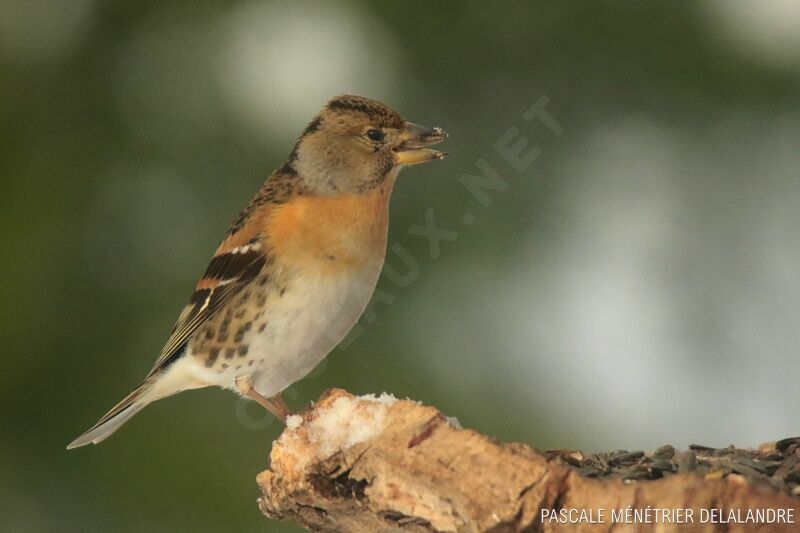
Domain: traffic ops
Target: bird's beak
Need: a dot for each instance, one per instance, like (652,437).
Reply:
(413,142)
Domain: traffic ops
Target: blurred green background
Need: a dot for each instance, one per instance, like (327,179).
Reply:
(636,284)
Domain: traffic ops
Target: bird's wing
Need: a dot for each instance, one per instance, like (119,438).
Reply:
(238,261)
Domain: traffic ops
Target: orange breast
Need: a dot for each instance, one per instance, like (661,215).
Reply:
(331,233)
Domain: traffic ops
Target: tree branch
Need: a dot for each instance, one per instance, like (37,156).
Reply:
(375,464)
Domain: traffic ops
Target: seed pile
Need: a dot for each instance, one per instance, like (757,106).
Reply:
(775,465)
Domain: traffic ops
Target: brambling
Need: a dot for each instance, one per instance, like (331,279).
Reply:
(297,267)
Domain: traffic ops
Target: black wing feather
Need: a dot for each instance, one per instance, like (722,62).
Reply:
(233,270)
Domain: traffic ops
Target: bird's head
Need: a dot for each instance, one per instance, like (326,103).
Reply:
(356,144)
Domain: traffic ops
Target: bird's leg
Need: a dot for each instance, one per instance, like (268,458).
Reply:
(274,405)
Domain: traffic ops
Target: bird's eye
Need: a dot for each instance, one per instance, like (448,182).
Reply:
(375,135)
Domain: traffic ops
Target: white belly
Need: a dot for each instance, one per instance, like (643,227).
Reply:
(303,325)
(312,317)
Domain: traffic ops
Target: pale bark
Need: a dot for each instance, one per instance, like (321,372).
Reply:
(417,471)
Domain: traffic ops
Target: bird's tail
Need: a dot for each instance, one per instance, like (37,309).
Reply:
(112,420)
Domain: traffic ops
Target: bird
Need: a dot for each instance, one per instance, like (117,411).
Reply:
(295,270)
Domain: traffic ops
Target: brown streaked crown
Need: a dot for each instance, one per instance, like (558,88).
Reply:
(381,114)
